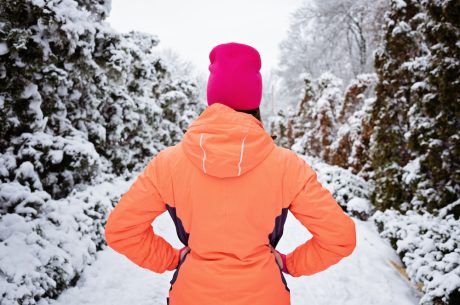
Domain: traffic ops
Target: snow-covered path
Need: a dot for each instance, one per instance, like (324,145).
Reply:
(365,277)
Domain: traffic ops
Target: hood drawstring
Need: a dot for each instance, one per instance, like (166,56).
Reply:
(241,156)
(204,152)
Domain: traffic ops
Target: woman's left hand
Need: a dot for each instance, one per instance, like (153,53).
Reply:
(278,258)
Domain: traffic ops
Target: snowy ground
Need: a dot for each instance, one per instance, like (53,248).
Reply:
(365,277)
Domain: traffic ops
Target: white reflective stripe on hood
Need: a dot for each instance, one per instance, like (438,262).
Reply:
(204,153)
(241,156)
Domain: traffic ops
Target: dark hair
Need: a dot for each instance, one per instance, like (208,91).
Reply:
(255,112)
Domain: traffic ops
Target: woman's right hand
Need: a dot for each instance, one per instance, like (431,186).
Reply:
(280,259)
(182,252)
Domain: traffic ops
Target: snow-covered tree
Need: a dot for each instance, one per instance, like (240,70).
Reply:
(351,144)
(332,124)
(389,153)
(414,147)
(318,139)
(434,115)
(281,127)
(47,91)
(332,35)
(415,119)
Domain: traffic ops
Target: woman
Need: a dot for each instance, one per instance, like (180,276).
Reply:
(228,189)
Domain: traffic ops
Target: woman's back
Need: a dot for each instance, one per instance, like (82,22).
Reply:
(227,178)
(228,188)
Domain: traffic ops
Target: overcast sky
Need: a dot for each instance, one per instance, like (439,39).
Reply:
(192,28)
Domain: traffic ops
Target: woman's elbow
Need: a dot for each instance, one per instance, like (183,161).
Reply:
(107,234)
(109,231)
(350,236)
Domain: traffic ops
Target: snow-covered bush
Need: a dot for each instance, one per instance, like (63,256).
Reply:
(45,244)
(65,73)
(55,164)
(79,103)
(429,247)
(351,191)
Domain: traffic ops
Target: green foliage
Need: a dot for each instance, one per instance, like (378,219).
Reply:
(416,115)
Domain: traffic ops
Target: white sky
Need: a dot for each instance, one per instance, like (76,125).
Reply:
(192,28)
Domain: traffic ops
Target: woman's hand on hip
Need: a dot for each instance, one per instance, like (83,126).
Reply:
(183,251)
(280,259)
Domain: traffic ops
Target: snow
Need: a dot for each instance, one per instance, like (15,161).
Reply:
(3,48)
(56,156)
(399,4)
(298,146)
(419,85)
(360,205)
(401,28)
(26,171)
(29,90)
(429,248)
(411,171)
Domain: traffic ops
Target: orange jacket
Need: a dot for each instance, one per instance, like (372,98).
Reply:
(228,188)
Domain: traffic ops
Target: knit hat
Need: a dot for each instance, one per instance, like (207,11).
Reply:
(235,79)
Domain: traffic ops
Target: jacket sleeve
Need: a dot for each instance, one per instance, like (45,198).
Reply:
(129,228)
(334,232)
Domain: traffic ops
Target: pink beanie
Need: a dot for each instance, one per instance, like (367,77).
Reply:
(235,79)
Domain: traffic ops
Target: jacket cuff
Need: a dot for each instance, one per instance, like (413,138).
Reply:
(175,260)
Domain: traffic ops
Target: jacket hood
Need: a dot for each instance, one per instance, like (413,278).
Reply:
(223,142)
